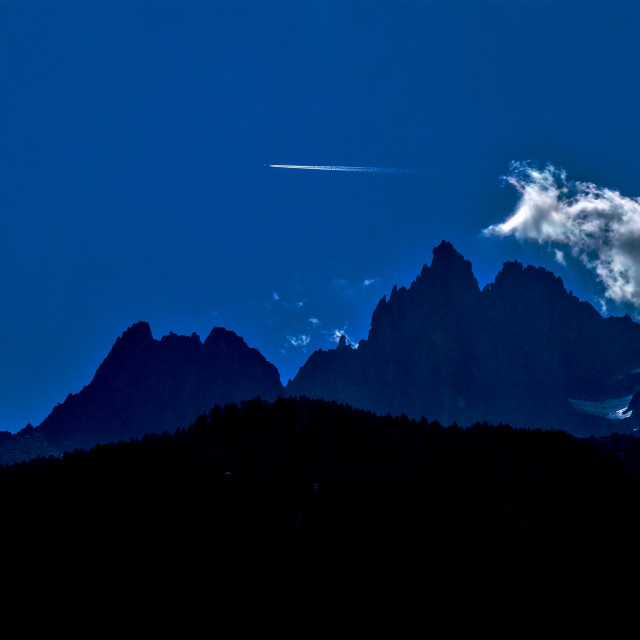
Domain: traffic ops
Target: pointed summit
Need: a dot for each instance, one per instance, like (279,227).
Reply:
(223,337)
(452,269)
(445,249)
(126,349)
(443,293)
(139,333)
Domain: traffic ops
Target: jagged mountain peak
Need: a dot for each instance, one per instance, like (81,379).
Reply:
(450,273)
(220,336)
(446,288)
(515,352)
(176,338)
(515,276)
(446,254)
(146,385)
(134,340)
(446,280)
(138,333)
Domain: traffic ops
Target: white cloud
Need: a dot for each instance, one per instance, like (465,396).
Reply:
(300,304)
(299,341)
(314,321)
(600,226)
(275,296)
(559,257)
(369,281)
(338,333)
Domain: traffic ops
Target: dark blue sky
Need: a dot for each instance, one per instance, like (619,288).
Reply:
(135,139)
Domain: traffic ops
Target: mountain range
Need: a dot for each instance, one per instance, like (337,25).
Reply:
(518,352)
(522,351)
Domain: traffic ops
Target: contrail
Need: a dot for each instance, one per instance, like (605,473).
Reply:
(341,168)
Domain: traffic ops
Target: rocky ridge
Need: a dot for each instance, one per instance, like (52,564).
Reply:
(146,385)
(515,352)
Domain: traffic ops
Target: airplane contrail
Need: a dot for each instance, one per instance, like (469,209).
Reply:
(342,168)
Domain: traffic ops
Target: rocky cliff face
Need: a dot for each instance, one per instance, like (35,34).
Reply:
(146,385)
(514,352)
(25,445)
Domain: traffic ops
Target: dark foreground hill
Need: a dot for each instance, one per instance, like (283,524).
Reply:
(146,385)
(516,352)
(307,519)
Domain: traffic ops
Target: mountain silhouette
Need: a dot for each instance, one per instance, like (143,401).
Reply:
(522,351)
(515,352)
(146,385)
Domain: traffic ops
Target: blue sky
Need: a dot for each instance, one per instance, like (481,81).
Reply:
(136,139)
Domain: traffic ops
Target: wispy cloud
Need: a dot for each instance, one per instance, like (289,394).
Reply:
(299,341)
(600,226)
(369,281)
(314,321)
(336,334)
(275,296)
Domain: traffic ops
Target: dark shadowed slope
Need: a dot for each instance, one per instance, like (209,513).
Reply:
(515,352)
(307,519)
(28,443)
(147,385)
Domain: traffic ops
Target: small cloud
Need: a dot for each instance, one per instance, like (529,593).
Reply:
(275,296)
(314,321)
(559,257)
(300,304)
(299,341)
(603,306)
(338,333)
(369,281)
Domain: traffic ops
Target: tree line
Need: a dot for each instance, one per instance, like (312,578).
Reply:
(309,518)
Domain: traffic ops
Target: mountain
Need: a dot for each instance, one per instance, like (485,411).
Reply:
(517,351)
(28,443)
(522,351)
(146,385)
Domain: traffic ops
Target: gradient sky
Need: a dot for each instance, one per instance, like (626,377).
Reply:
(136,139)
